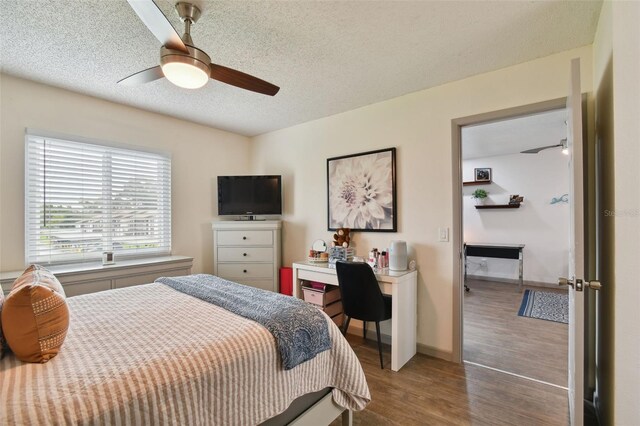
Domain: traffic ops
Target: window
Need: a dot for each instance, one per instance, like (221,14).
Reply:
(85,198)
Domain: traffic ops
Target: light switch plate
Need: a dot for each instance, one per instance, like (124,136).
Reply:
(443,234)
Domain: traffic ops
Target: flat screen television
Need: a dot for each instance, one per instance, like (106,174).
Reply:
(249,195)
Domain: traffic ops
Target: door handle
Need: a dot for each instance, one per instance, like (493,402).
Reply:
(593,284)
(565,281)
(579,284)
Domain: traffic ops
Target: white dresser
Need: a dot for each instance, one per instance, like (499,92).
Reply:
(248,252)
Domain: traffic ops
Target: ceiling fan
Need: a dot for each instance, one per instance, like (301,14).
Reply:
(181,62)
(563,144)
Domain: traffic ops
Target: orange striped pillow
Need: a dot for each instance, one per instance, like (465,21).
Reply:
(2,342)
(35,317)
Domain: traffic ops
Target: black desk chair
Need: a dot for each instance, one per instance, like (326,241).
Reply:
(362,298)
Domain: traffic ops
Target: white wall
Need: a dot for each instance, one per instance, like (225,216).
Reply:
(419,125)
(626,95)
(617,41)
(199,154)
(541,226)
(616,71)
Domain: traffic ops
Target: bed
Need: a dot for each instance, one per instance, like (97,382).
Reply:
(150,355)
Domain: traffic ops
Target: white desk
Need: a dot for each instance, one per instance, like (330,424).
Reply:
(401,286)
(495,250)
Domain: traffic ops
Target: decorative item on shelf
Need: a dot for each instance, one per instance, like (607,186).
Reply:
(318,252)
(515,200)
(480,195)
(340,253)
(341,238)
(564,198)
(482,174)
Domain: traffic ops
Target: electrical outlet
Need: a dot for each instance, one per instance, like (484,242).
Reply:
(443,234)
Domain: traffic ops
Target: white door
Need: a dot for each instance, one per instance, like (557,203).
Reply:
(576,248)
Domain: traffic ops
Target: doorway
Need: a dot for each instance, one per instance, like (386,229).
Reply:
(515,216)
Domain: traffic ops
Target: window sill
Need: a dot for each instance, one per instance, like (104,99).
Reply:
(111,276)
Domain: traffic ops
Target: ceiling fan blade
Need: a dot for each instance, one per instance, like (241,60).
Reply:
(242,80)
(142,77)
(537,150)
(151,15)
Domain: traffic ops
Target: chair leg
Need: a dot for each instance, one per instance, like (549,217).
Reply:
(364,330)
(379,344)
(345,326)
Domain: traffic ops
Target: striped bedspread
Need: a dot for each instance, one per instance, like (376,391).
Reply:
(151,355)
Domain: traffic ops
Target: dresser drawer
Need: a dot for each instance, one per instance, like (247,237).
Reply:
(245,254)
(245,238)
(245,270)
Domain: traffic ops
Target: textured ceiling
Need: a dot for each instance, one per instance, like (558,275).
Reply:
(514,135)
(327,57)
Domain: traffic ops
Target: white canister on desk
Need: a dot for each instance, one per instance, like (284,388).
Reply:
(398,256)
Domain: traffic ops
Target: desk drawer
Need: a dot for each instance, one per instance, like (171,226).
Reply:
(321,298)
(338,319)
(245,238)
(317,276)
(245,270)
(245,254)
(333,309)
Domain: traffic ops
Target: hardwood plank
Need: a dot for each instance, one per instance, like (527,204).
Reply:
(494,334)
(430,391)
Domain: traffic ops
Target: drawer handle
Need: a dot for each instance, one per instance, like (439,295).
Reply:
(245,271)
(244,254)
(244,238)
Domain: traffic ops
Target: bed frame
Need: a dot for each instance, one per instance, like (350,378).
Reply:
(312,409)
(324,412)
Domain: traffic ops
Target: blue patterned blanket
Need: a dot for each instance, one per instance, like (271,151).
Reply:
(300,330)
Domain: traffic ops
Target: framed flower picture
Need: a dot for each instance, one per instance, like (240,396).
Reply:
(361,191)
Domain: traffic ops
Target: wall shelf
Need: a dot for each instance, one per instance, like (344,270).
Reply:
(482,182)
(499,206)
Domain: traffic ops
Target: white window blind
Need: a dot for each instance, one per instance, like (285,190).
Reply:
(84,198)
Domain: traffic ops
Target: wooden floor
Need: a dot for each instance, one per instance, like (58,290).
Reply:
(430,391)
(495,336)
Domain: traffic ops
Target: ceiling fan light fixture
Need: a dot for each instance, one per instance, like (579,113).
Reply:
(184,71)
(181,62)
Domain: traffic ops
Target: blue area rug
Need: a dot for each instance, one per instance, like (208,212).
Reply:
(545,305)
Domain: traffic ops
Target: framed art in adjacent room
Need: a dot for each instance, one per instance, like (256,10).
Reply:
(361,191)
(482,174)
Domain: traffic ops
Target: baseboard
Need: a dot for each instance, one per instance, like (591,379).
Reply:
(435,352)
(356,330)
(513,281)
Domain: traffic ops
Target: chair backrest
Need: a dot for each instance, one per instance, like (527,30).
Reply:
(361,295)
